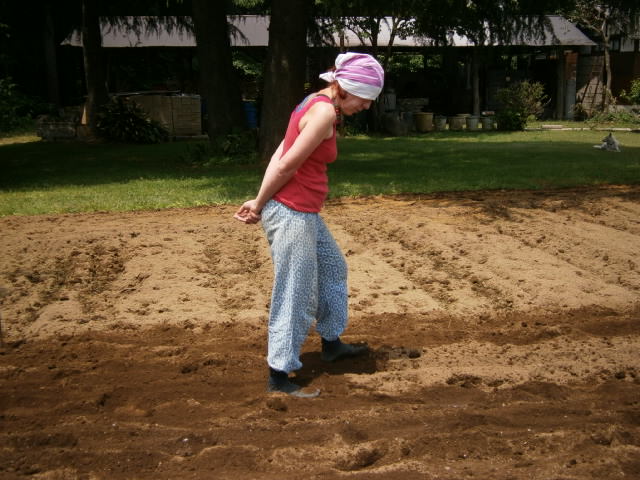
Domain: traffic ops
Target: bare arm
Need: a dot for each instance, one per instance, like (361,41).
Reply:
(316,126)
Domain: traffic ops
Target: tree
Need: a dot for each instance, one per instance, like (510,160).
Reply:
(365,18)
(218,83)
(51,62)
(33,30)
(284,70)
(484,23)
(137,16)
(602,20)
(94,72)
(92,20)
(93,58)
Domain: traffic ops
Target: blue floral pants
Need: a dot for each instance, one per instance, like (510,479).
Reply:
(310,283)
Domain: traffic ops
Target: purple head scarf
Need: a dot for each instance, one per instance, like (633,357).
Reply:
(357,73)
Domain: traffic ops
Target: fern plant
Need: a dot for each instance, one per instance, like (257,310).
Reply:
(122,120)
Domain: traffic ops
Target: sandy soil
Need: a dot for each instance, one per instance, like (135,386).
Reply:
(504,332)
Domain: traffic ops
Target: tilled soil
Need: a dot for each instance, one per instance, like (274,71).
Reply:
(503,326)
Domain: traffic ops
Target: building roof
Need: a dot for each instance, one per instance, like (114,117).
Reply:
(558,32)
(253,31)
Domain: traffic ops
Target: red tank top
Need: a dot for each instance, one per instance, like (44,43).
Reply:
(308,188)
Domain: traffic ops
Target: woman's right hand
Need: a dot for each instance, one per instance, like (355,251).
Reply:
(249,212)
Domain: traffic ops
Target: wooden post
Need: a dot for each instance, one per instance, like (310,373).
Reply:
(476,80)
(571,68)
(560,92)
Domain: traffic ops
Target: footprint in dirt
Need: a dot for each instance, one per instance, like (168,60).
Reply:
(387,352)
(314,366)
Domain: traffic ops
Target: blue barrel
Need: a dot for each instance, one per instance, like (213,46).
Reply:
(250,114)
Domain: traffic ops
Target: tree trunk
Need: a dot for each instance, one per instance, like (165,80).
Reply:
(392,36)
(284,71)
(219,86)
(95,79)
(51,63)
(607,96)
(475,68)
(560,84)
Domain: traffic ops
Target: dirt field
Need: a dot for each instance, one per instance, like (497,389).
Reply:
(504,328)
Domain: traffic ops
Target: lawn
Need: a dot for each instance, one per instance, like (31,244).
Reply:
(41,177)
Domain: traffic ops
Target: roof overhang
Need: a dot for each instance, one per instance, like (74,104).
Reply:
(253,31)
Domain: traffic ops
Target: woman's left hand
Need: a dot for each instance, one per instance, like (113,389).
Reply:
(249,212)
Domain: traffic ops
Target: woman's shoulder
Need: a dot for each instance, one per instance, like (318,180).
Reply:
(321,105)
(311,100)
(320,113)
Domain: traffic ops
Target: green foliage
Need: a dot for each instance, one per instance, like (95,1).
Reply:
(247,65)
(634,94)
(250,73)
(519,102)
(510,121)
(613,118)
(238,145)
(353,125)
(233,149)
(404,62)
(15,108)
(121,120)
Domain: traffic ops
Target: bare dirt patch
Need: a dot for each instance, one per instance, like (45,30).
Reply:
(504,332)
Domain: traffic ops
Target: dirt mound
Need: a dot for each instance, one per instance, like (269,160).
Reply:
(503,329)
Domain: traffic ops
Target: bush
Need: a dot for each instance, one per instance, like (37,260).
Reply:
(122,120)
(15,108)
(520,102)
(613,118)
(633,96)
(241,145)
(510,120)
(240,148)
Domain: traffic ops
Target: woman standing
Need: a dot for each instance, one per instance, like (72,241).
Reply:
(310,273)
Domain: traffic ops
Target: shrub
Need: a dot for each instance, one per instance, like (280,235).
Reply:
(239,148)
(122,120)
(241,145)
(633,96)
(15,108)
(519,102)
(613,118)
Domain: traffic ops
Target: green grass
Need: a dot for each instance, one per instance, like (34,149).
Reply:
(39,177)
(480,161)
(74,177)
(591,125)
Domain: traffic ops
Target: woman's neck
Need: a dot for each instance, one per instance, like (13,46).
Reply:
(328,92)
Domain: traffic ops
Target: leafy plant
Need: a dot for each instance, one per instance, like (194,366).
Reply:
(15,108)
(520,102)
(235,148)
(122,120)
(511,120)
(633,96)
(613,118)
(242,144)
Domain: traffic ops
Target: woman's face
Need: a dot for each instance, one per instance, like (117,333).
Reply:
(352,104)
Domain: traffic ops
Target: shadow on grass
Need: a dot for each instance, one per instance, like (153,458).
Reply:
(46,165)
(447,161)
